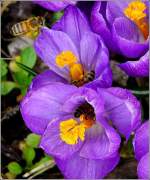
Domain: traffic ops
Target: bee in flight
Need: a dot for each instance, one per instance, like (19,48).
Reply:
(30,25)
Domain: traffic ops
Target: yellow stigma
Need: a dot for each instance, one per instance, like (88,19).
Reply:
(67,58)
(135,9)
(71,131)
(135,12)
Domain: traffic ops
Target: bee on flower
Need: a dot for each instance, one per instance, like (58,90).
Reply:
(74,124)
(73,52)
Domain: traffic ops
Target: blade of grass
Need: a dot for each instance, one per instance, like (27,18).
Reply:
(142,93)
(44,166)
(24,67)
(42,170)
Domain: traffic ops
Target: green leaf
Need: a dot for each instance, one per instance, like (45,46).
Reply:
(32,140)
(28,57)
(26,68)
(7,86)
(13,65)
(42,161)
(56,16)
(23,90)
(45,159)
(126,150)
(28,155)
(14,168)
(22,78)
(4,69)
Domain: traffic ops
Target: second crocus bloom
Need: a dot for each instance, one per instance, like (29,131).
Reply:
(76,124)
(74,52)
(123,25)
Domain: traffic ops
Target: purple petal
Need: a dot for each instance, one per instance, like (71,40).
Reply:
(94,56)
(102,69)
(86,7)
(138,68)
(141,141)
(83,95)
(143,169)
(49,44)
(100,26)
(122,108)
(74,23)
(53,5)
(126,35)
(90,48)
(147,10)
(77,167)
(126,29)
(53,145)
(45,78)
(100,142)
(93,53)
(105,80)
(41,105)
(115,10)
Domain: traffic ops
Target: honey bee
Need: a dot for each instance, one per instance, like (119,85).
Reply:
(30,25)
(78,112)
(87,78)
(85,109)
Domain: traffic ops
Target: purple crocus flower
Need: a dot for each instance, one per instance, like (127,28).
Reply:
(54,5)
(141,147)
(123,25)
(74,52)
(75,124)
(138,68)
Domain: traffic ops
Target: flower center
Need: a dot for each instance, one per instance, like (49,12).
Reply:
(135,12)
(72,130)
(67,58)
(77,74)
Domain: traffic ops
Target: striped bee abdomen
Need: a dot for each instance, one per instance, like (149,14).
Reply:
(19,28)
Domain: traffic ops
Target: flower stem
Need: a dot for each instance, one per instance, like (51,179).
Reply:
(143,93)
